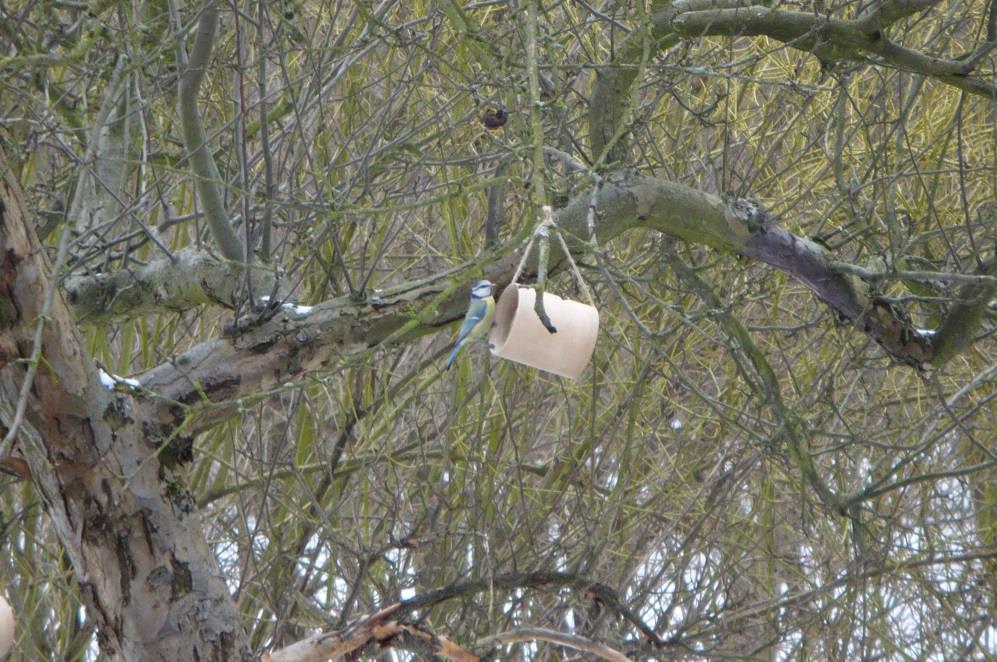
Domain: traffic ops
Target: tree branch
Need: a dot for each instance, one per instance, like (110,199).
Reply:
(599,592)
(789,428)
(385,625)
(885,13)
(373,629)
(252,357)
(574,641)
(742,226)
(613,82)
(194,277)
(206,178)
(328,645)
(831,39)
(956,332)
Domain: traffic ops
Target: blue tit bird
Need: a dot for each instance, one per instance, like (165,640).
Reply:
(478,320)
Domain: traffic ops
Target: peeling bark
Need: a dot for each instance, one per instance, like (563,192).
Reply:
(126,520)
(193,277)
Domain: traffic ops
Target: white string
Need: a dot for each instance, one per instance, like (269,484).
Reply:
(578,275)
(526,254)
(542,230)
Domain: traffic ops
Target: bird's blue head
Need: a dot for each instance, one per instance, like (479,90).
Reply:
(482,289)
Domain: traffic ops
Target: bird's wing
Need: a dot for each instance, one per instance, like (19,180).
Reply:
(475,313)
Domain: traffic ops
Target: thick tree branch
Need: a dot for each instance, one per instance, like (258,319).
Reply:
(831,39)
(376,629)
(206,178)
(742,226)
(193,277)
(100,182)
(963,320)
(328,645)
(885,13)
(294,344)
(614,83)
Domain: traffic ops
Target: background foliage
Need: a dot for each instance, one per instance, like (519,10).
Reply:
(666,472)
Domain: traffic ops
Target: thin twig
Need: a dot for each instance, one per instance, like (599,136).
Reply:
(574,641)
(543,254)
(536,104)
(940,276)
(36,342)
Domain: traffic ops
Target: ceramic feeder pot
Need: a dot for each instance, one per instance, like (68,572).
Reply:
(519,336)
(6,626)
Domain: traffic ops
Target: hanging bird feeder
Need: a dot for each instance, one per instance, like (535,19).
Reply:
(6,626)
(562,344)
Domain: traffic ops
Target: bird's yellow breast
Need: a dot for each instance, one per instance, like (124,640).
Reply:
(485,325)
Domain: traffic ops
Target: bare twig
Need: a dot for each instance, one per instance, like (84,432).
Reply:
(543,254)
(536,105)
(377,628)
(574,641)
(980,279)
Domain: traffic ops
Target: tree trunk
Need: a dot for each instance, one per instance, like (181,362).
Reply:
(120,509)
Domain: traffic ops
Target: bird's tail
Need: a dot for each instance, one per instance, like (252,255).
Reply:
(453,354)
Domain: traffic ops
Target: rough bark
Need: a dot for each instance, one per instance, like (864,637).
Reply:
(191,278)
(121,511)
(254,357)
